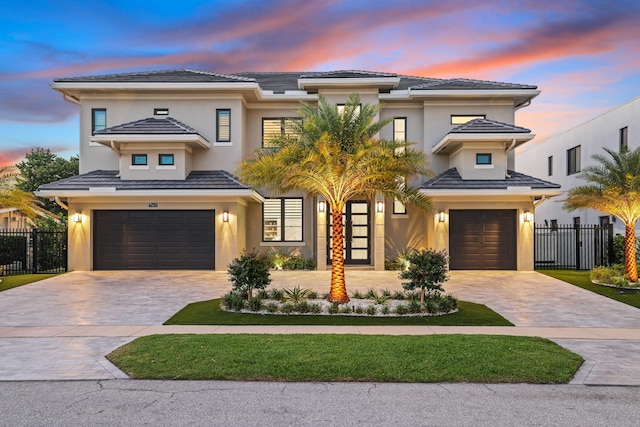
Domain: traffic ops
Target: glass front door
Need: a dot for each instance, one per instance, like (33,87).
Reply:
(356,217)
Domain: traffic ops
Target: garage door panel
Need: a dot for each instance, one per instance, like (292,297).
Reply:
(482,239)
(153,240)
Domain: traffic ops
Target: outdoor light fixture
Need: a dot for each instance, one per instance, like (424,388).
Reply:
(528,216)
(77,217)
(225,216)
(441,216)
(322,206)
(379,206)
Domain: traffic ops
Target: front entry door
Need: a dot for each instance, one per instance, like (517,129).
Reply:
(357,233)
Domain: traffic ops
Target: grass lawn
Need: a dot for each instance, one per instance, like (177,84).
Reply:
(209,313)
(9,282)
(581,279)
(434,358)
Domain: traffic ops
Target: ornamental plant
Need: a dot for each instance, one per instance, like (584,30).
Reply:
(427,270)
(250,271)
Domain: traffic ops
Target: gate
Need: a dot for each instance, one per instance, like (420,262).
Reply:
(32,251)
(572,247)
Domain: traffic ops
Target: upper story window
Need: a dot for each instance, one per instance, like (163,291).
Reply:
(275,127)
(483,158)
(573,160)
(460,119)
(160,111)
(341,108)
(550,165)
(399,132)
(138,159)
(98,119)
(165,160)
(624,139)
(282,220)
(223,125)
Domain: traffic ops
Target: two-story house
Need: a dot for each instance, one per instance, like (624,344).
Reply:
(156,188)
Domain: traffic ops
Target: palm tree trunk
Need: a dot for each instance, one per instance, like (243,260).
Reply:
(338,291)
(630,265)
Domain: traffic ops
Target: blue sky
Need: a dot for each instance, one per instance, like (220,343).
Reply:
(583,54)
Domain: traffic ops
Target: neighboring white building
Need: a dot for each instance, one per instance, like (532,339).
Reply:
(560,158)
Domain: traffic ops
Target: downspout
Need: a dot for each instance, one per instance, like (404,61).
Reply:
(524,104)
(113,146)
(60,203)
(539,202)
(511,147)
(71,99)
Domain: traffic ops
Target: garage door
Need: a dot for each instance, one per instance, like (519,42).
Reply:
(145,240)
(482,239)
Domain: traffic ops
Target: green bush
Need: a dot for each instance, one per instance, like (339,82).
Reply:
(255,304)
(296,295)
(250,271)
(272,307)
(13,248)
(277,294)
(618,249)
(233,301)
(282,259)
(427,270)
(372,310)
(607,275)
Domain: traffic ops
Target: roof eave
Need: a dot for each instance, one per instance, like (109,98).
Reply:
(195,140)
(452,138)
(339,82)
(508,192)
(113,192)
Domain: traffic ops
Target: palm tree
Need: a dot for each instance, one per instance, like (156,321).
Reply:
(12,197)
(614,189)
(336,155)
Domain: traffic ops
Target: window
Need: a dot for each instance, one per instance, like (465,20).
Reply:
(400,134)
(554,225)
(460,119)
(98,119)
(624,139)
(272,128)
(165,159)
(138,159)
(483,158)
(160,111)
(399,208)
(223,125)
(550,165)
(282,220)
(573,160)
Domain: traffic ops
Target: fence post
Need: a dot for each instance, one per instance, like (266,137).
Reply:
(576,227)
(35,250)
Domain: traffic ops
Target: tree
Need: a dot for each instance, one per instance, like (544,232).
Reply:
(427,270)
(614,189)
(13,197)
(336,155)
(41,167)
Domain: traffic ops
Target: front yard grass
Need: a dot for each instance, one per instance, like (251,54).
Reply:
(581,279)
(8,282)
(209,313)
(433,358)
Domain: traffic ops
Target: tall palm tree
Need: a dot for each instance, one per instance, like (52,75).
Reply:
(336,154)
(614,189)
(12,197)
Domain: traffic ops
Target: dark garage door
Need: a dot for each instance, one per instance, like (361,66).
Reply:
(482,239)
(146,240)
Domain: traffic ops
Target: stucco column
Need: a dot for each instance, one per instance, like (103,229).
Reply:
(378,234)
(321,229)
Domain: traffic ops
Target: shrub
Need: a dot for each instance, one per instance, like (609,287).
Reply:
(277,294)
(233,301)
(287,308)
(334,308)
(255,304)
(386,309)
(377,298)
(359,310)
(345,309)
(312,295)
(301,306)
(272,307)
(402,309)
(415,307)
(290,260)
(427,271)
(399,295)
(607,275)
(296,295)
(315,308)
(358,295)
(262,294)
(250,271)
(372,310)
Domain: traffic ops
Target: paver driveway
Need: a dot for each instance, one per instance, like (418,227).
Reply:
(138,298)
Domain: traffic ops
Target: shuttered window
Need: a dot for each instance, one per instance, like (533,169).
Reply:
(223,125)
(282,220)
(274,127)
(98,119)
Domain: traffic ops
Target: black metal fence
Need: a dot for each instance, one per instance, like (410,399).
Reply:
(32,251)
(572,247)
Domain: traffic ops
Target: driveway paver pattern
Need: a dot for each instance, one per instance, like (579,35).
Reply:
(61,328)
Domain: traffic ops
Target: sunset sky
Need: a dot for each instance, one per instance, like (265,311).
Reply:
(583,54)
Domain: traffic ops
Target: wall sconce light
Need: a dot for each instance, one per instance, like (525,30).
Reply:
(441,216)
(77,217)
(379,206)
(322,206)
(225,216)
(528,216)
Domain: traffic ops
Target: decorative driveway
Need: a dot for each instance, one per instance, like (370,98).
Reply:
(61,328)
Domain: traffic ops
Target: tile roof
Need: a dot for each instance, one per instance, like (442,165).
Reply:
(488,126)
(184,75)
(150,125)
(451,180)
(288,81)
(197,180)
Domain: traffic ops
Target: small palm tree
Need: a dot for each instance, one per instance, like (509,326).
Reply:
(614,189)
(336,155)
(12,197)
